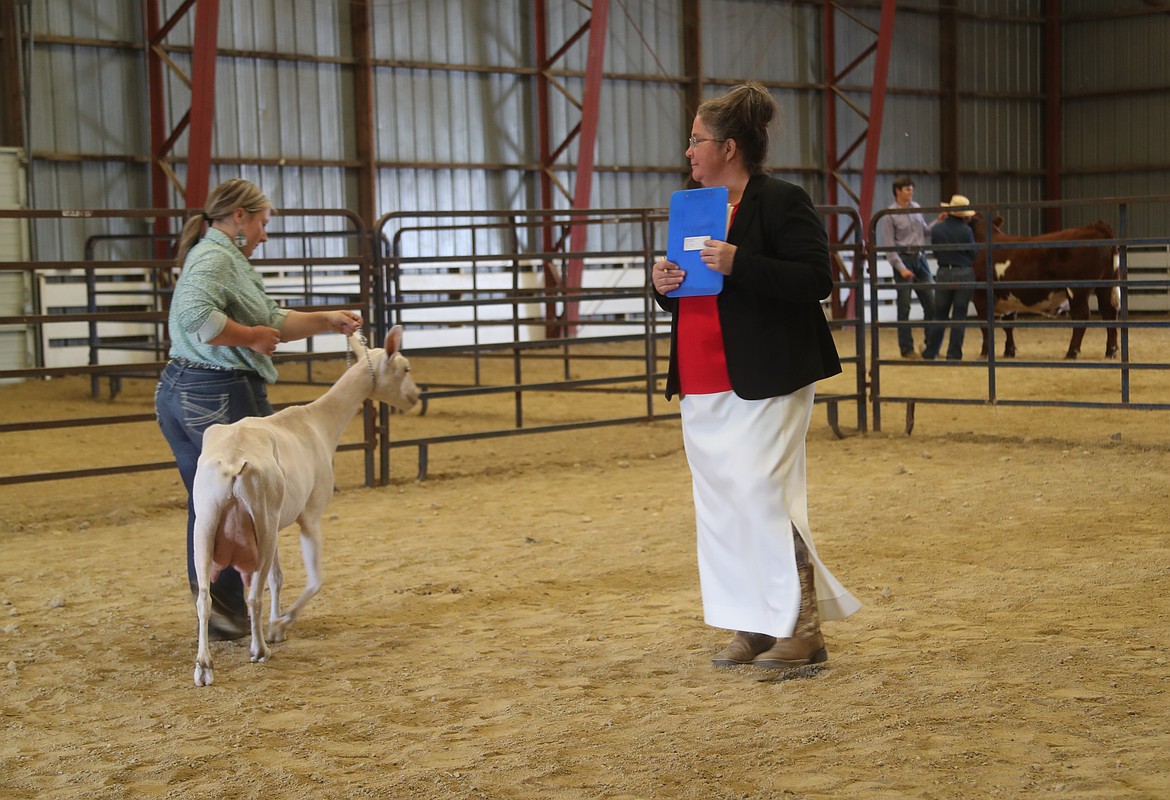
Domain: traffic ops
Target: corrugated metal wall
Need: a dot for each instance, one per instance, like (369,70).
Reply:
(455,125)
(776,43)
(910,129)
(1001,107)
(460,112)
(1116,109)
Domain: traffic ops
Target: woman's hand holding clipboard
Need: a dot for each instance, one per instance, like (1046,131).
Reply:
(696,215)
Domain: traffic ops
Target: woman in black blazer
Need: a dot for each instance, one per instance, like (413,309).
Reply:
(744,363)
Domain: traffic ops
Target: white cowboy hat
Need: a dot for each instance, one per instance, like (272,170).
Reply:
(960,200)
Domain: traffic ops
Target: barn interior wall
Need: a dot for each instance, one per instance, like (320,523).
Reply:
(1116,112)
(455,114)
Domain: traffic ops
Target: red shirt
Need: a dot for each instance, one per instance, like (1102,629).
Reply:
(702,363)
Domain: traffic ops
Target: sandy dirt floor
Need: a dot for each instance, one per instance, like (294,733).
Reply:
(526,622)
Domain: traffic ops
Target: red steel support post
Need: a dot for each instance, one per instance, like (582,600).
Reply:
(363,109)
(202,102)
(1052,120)
(12,92)
(159,187)
(547,242)
(540,25)
(877,103)
(835,158)
(832,162)
(199,119)
(585,132)
(582,189)
(829,94)
(948,110)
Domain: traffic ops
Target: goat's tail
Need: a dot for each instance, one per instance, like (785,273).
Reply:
(216,479)
(230,470)
(216,487)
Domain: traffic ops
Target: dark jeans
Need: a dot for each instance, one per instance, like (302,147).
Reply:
(187,401)
(922,285)
(950,302)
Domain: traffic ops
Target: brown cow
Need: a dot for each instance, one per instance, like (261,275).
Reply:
(1048,264)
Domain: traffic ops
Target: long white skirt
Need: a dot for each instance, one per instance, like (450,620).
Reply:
(747,460)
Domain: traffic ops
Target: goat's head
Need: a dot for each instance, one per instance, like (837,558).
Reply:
(390,370)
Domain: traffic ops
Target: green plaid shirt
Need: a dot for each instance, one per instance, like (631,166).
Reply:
(218,283)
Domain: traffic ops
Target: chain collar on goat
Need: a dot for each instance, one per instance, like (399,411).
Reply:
(366,351)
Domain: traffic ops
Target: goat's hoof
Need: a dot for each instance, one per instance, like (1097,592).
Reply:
(277,630)
(260,655)
(203,675)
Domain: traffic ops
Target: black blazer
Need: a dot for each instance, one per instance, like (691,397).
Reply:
(775,335)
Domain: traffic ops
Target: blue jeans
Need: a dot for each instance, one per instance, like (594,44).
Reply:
(187,401)
(923,285)
(950,302)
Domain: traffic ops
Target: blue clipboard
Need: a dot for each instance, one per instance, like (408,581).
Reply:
(695,216)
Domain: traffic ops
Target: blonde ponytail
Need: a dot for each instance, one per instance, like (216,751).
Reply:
(221,203)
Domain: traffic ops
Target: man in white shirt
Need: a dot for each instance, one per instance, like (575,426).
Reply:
(908,233)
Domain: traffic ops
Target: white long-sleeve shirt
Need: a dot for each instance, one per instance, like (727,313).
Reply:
(904,231)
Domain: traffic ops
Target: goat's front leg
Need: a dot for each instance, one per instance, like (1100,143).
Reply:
(311,553)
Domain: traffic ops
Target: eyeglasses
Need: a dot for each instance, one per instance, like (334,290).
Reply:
(695,141)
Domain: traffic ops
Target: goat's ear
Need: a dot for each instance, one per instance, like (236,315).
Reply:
(394,340)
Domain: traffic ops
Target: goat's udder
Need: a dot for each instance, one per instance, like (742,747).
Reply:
(235,541)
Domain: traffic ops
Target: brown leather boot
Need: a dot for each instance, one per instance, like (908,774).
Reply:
(743,648)
(806,645)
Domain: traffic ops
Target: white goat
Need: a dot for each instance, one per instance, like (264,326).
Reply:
(260,474)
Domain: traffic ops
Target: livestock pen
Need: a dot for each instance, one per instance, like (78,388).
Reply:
(1136,379)
(472,287)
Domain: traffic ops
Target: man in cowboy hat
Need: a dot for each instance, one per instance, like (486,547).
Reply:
(948,236)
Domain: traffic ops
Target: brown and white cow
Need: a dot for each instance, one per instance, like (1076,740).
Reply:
(1052,265)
